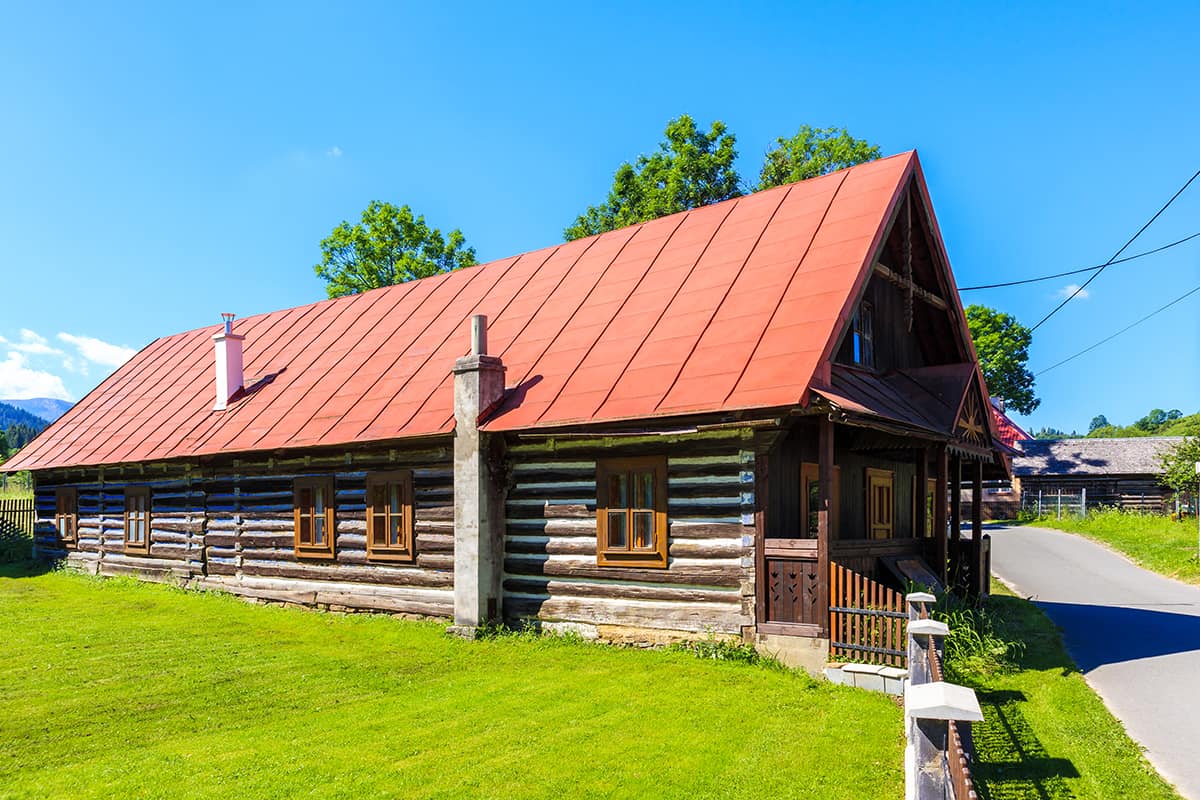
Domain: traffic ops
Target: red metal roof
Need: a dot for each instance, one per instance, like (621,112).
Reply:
(1006,431)
(731,306)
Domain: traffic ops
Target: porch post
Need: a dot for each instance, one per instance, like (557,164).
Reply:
(956,498)
(921,518)
(978,585)
(977,501)
(939,511)
(824,519)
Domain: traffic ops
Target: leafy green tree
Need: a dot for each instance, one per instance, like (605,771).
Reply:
(1098,421)
(1179,464)
(1152,421)
(3,445)
(1003,347)
(811,152)
(690,169)
(1050,433)
(389,246)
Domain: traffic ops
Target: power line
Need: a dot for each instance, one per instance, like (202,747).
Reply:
(1118,253)
(1082,269)
(1118,333)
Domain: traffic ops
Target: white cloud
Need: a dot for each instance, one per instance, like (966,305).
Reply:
(31,343)
(1070,289)
(334,152)
(97,351)
(19,382)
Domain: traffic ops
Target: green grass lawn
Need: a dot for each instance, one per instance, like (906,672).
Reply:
(115,688)
(1154,542)
(1046,735)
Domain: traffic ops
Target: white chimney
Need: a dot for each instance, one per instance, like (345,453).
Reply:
(228,347)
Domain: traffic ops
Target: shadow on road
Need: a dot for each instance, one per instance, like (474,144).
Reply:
(1099,635)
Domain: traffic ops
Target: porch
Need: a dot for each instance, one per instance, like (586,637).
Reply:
(850,517)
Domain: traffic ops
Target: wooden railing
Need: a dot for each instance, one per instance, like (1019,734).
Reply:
(16,527)
(866,619)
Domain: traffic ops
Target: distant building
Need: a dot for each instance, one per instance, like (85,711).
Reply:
(1113,472)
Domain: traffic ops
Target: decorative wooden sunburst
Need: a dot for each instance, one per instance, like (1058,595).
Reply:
(970,423)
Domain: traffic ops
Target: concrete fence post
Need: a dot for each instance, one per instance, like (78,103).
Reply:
(929,709)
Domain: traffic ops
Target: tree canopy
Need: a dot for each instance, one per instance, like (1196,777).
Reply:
(690,169)
(388,246)
(694,168)
(811,152)
(1002,344)
(1156,423)
(1179,464)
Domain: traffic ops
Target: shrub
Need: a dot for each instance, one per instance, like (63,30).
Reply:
(976,646)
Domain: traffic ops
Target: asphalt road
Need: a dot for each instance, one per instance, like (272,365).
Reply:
(1134,634)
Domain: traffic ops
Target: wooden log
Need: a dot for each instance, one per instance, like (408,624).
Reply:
(377,573)
(683,529)
(548,587)
(547,545)
(709,548)
(256,539)
(433,512)
(716,574)
(695,617)
(392,605)
(435,542)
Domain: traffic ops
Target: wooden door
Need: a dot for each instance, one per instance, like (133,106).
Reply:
(881,504)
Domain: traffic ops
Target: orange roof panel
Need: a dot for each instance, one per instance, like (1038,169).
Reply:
(731,306)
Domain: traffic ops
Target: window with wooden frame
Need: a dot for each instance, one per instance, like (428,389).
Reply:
(66,513)
(881,504)
(389,516)
(313,502)
(810,493)
(864,336)
(137,519)
(631,512)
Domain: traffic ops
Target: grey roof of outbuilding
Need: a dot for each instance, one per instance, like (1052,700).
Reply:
(1133,456)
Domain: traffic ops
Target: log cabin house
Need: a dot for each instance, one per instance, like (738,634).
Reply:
(1114,473)
(678,428)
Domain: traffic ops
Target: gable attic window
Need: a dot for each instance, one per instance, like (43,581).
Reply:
(631,512)
(137,519)
(389,516)
(312,499)
(66,513)
(864,336)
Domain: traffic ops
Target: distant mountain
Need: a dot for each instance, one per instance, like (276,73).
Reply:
(10,415)
(46,408)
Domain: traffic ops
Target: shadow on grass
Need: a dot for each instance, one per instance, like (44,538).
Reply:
(1010,760)
(27,568)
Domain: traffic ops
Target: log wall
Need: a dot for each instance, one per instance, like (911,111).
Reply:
(230,526)
(550,570)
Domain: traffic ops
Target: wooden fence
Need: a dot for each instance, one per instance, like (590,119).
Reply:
(866,619)
(16,528)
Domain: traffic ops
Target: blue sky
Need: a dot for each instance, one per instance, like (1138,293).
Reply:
(162,163)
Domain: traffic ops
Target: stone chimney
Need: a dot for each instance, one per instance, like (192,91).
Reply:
(478,494)
(228,351)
